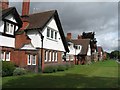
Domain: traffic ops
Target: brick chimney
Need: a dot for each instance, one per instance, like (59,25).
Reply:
(4,4)
(25,7)
(69,35)
(79,37)
(25,13)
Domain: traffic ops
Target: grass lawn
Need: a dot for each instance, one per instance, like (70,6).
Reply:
(96,75)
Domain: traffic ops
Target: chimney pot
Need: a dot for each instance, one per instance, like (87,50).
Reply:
(69,35)
(79,37)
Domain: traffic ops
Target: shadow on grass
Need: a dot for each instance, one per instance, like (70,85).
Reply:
(66,81)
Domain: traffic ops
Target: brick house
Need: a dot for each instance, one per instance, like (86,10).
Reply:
(101,53)
(10,23)
(46,35)
(79,48)
(40,41)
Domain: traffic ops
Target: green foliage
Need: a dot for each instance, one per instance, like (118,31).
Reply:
(49,69)
(96,75)
(58,67)
(62,67)
(19,71)
(7,68)
(115,54)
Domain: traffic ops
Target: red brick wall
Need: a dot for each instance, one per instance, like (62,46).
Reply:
(21,39)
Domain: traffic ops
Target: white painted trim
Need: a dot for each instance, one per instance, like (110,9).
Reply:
(56,55)
(32,59)
(8,56)
(53,56)
(3,59)
(49,56)
(46,55)
(28,59)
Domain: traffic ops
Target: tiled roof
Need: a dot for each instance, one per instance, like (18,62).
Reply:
(84,43)
(38,20)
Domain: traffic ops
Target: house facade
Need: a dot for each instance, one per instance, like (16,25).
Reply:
(79,48)
(43,33)
(36,42)
(10,23)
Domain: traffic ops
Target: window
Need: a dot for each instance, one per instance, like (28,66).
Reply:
(55,35)
(12,28)
(48,32)
(2,56)
(9,28)
(62,56)
(53,55)
(46,56)
(67,57)
(7,56)
(56,56)
(71,57)
(51,34)
(49,56)
(31,60)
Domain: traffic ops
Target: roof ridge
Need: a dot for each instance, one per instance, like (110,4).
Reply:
(42,12)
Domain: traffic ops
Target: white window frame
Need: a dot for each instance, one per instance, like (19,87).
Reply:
(2,53)
(62,56)
(55,35)
(8,28)
(49,32)
(28,59)
(71,57)
(32,59)
(8,56)
(56,54)
(53,56)
(46,56)
(49,56)
(67,57)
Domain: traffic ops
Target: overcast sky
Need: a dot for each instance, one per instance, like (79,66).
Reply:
(78,17)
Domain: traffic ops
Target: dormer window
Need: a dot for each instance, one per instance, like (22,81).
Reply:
(9,28)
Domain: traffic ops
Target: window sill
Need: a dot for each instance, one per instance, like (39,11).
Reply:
(52,39)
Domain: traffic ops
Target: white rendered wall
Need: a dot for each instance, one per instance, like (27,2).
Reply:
(1,26)
(11,18)
(47,43)
(4,40)
(7,41)
(35,38)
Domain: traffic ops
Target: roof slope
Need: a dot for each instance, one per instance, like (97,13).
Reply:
(84,43)
(11,10)
(39,21)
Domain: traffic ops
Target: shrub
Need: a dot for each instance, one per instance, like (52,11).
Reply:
(61,67)
(7,68)
(49,69)
(19,71)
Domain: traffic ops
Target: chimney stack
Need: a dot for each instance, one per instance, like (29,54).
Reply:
(69,35)
(79,37)
(25,7)
(4,4)
(25,13)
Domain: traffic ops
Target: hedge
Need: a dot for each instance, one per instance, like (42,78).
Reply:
(7,68)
